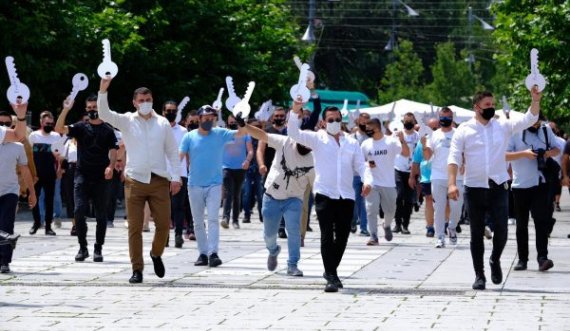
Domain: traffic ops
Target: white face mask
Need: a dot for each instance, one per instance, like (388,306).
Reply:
(145,108)
(333,128)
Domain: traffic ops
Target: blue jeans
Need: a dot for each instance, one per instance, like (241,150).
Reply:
(252,188)
(359,204)
(290,209)
(202,198)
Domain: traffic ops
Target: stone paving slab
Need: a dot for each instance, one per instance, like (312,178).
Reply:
(405,284)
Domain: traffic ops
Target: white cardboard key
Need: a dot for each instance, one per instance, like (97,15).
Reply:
(243,106)
(232,99)
(18,92)
(181,106)
(535,78)
(107,67)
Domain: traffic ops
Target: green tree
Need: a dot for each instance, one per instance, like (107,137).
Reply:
(523,25)
(453,81)
(403,77)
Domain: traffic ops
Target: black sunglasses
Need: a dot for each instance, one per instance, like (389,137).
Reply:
(7,124)
(330,120)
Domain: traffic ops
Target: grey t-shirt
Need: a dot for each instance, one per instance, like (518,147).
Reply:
(13,155)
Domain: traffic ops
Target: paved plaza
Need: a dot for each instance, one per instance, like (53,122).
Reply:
(406,284)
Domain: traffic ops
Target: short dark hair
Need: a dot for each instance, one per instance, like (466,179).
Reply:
(446,110)
(480,95)
(91,97)
(410,114)
(375,122)
(331,109)
(141,90)
(5,113)
(168,102)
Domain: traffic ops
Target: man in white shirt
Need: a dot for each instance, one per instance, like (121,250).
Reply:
(148,141)
(380,152)
(482,143)
(337,157)
(359,202)
(403,166)
(437,149)
(177,212)
(292,170)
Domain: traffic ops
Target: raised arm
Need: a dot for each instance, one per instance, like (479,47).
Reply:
(19,132)
(60,126)
(531,116)
(307,138)
(120,121)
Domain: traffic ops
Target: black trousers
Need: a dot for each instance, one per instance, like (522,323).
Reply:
(233,181)
(404,200)
(479,202)
(532,200)
(67,189)
(177,211)
(114,192)
(8,205)
(98,190)
(335,216)
(48,185)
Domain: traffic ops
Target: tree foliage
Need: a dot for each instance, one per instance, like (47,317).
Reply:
(174,47)
(523,25)
(403,77)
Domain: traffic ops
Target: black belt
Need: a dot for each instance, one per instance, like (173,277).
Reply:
(492,184)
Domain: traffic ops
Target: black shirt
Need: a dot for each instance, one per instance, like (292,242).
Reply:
(93,145)
(270,151)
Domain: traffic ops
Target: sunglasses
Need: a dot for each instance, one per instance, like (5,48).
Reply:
(331,120)
(7,124)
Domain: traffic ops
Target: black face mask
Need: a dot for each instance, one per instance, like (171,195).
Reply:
(445,122)
(171,117)
(362,127)
(488,113)
(302,149)
(232,126)
(192,126)
(533,129)
(278,122)
(93,114)
(408,125)
(369,133)
(48,128)
(207,125)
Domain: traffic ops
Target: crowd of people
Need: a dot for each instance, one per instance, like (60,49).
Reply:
(485,172)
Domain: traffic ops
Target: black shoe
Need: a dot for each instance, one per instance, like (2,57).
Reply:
(416,207)
(5,269)
(50,232)
(82,254)
(397,228)
(496,272)
(458,228)
(282,234)
(246,220)
(178,241)
(521,265)
(136,278)
(215,260)
(33,229)
(158,265)
(202,260)
(353,228)
(73,231)
(479,283)
(337,281)
(97,254)
(331,287)
(310,229)
(235,225)
(545,264)
(405,230)
(333,279)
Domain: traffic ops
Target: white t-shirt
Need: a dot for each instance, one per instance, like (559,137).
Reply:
(290,171)
(179,132)
(439,142)
(2,133)
(383,152)
(404,163)
(70,151)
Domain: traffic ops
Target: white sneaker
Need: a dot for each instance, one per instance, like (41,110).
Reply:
(488,232)
(440,243)
(452,236)
(512,221)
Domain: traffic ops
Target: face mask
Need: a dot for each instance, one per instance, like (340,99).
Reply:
(333,128)
(48,128)
(369,133)
(192,126)
(408,125)
(232,126)
(533,129)
(145,108)
(278,121)
(171,117)
(488,113)
(207,126)
(93,114)
(302,149)
(445,122)
(362,127)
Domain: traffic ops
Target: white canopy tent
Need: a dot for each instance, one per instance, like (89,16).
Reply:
(399,108)
(461,115)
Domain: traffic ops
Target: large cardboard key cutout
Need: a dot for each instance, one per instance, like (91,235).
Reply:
(18,92)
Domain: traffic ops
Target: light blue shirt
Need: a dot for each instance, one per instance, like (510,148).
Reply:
(425,166)
(235,152)
(525,171)
(206,154)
